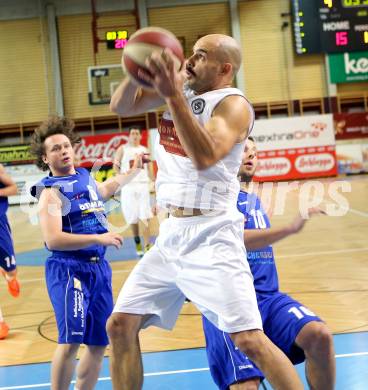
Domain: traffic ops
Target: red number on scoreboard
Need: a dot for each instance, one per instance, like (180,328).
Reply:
(342,38)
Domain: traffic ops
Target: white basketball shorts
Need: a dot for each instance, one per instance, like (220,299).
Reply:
(201,258)
(135,202)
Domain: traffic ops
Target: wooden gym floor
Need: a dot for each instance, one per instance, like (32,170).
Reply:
(324,267)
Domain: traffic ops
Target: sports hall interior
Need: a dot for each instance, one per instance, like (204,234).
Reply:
(47,49)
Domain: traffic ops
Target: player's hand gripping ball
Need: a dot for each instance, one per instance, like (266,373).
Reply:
(142,44)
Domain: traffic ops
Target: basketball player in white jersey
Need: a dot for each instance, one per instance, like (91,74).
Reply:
(135,196)
(199,252)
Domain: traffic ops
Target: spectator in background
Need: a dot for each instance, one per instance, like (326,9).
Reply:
(135,197)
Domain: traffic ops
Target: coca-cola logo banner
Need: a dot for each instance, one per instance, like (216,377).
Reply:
(102,147)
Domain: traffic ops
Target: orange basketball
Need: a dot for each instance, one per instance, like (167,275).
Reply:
(142,44)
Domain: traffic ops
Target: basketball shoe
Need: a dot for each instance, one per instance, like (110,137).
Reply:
(139,249)
(4,330)
(13,284)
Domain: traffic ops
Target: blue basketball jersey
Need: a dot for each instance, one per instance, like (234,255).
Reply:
(282,316)
(261,261)
(83,210)
(3,201)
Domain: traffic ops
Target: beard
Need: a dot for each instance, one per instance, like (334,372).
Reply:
(245,177)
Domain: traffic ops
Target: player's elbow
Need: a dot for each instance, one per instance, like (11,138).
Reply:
(203,161)
(115,107)
(53,242)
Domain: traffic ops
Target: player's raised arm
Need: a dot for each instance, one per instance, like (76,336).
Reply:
(130,99)
(207,144)
(109,187)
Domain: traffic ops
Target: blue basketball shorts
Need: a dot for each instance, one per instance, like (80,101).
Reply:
(7,257)
(283,318)
(81,294)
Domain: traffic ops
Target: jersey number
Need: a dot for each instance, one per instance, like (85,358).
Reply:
(300,312)
(10,261)
(258,219)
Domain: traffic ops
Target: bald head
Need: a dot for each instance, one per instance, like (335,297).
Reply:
(226,49)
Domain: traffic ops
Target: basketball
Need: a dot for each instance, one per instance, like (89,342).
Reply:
(142,44)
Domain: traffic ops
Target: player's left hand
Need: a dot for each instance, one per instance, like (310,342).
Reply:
(162,74)
(299,222)
(137,162)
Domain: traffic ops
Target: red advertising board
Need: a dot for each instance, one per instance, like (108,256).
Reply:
(299,163)
(295,148)
(102,147)
(350,126)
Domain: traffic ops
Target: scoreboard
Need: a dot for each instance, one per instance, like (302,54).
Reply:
(117,39)
(330,26)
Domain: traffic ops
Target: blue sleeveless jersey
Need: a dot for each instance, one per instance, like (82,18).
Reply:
(3,201)
(261,261)
(83,210)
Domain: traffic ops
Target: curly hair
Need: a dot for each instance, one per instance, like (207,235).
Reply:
(51,126)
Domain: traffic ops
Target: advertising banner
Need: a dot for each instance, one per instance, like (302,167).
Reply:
(350,126)
(24,175)
(295,148)
(18,154)
(350,158)
(348,67)
(102,146)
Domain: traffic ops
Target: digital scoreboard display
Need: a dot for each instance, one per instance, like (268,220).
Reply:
(330,26)
(116,39)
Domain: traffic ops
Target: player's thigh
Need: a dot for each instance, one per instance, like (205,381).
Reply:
(7,257)
(69,296)
(284,318)
(129,204)
(145,210)
(217,279)
(100,306)
(151,291)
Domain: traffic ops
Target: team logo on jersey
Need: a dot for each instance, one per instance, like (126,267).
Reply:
(198,106)
(77,284)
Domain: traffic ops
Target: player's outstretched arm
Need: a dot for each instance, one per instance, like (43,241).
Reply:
(109,187)
(129,99)
(10,186)
(260,238)
(51,226)
(205,145)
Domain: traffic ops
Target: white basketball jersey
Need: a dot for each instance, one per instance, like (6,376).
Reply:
(128,157)
(178,182)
